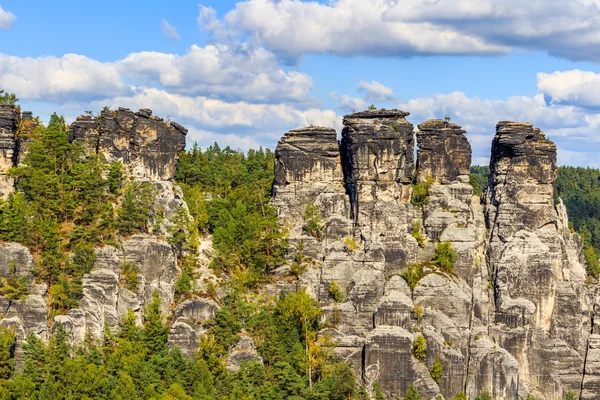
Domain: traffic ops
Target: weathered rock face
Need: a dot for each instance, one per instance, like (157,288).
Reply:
(511,318)
(542,312)
(444,152)
(8,146)
(146,145)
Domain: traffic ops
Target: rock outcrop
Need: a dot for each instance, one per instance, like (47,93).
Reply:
(146,145)
(148,148)
(8,147)
(512,316)
(542,311)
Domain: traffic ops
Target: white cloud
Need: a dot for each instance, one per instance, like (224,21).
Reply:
(7,19)
(169,30)
(237,72)
(219,114)
(345,27)
(375,91)
(577,87)
(566,28)
(572,128)
(50,78)
(349,104)
(219,71)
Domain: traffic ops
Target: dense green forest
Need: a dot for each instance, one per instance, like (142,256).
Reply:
(579,188)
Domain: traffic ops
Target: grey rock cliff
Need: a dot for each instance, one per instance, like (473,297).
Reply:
(514,315)
(146,145)
(542,311)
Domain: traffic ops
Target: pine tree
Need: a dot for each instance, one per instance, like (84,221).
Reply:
(412,393)
(7,346)
(154,333)
(35,367)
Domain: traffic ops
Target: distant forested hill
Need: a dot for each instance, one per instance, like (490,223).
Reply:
(579,188)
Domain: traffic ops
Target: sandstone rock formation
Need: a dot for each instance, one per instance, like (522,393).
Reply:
(514,314)
(148,148)
(147,145)
(8,147)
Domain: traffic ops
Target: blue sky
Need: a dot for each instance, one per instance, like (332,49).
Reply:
(242,73)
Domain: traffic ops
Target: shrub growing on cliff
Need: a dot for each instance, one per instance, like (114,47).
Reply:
(412,393)
(335,291)
(129,276)
(444,256)
(437,370)
(484,396)
(350,244)
(313,221)
(416,233)
(460,396)
(419,349)
(413,275)
(420,195)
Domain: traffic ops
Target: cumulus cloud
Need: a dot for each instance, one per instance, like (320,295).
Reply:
(7,19)
(349,104)
(169,30)
(576,87)
(375,91)
(572,128)
(346,27)
(235,71)
(50,78)
(219,114)
(219,71)
(565,28)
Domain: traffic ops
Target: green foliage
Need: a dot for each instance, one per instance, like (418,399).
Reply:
(184,284)
(530,396)
(335,292)
(154,333)
(115,177)
(129,276)
(413,275)
(445,256)
(372,107)
(412,393)
(247,237)
(570,395)
(416,233)
(437,370)
(419,349)
(178,232)
(460,396)
(479,179)
(7,346)
(420,195)
(591,261)
(136,209)
(378,391)
(313,221)
(8,98)
(417,313)
(350,244)
(484,396)
(61,210)
(14,288)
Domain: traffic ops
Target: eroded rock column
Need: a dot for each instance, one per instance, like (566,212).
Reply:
(541,308)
